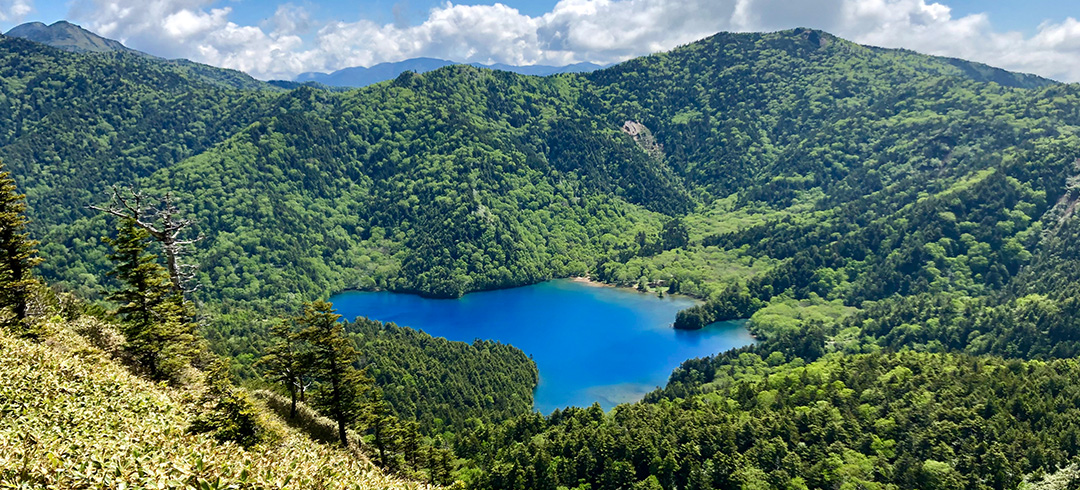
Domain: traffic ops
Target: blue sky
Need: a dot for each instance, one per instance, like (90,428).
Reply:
(1015,15)
(278,39)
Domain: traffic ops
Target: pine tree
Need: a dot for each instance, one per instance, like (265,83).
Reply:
(439,464)
(383,426)
(17,254)
(228,412)
(155,328)
(284,363)
(343,387)
(675,234)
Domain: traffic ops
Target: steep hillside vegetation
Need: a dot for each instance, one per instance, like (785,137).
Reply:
(71,417)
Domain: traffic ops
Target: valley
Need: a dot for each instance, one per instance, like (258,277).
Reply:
(895,231)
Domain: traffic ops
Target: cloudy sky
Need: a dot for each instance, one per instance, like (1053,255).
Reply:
(271,39)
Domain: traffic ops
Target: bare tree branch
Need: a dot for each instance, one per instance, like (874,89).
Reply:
(164,225)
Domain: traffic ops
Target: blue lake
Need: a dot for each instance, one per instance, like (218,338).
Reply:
(591,343)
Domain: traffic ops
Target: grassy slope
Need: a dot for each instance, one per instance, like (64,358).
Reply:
(71,417)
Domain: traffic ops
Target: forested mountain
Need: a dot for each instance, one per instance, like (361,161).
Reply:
(898,228)
(79,123)
(69,37)
(911,420)
(523,179)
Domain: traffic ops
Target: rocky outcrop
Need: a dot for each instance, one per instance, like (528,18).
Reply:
(644,138)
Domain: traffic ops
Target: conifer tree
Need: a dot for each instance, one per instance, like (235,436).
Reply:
(228,412)
(160,218)
(439,464)
(17,254)
(333,356)
(155,328)
(383,425)
(285,363)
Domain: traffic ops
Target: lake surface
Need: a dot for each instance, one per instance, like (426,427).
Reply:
(591,343)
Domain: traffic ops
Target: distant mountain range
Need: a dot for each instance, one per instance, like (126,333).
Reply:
(359,76)
(71,37)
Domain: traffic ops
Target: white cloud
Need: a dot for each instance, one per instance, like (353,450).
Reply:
(15,10)
(289,19)
(190,29)
(574,30)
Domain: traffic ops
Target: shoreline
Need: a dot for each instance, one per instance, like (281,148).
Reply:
(583,280)
(588,281)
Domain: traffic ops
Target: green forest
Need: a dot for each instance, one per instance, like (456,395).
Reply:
(898,228)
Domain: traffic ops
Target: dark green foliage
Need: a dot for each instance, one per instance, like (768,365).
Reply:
(227,410)
(18,256)
(909,420)
(675,234)
(442,384)
(318,350)
(285,362)
(733,303)
(155,324)
(380,423)
(342,390)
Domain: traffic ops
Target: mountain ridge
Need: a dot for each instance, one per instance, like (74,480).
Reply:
(72,38)
(69,37)
(359,76)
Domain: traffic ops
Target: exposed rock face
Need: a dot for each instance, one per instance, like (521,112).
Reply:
(1066,204)
(644,139)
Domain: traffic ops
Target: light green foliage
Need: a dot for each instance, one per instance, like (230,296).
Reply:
(73,418)
(856,421)
(786,315)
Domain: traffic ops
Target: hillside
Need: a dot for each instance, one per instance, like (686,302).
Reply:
(81,122)
(525,167)
(899,229)
(74,418)
(911,420)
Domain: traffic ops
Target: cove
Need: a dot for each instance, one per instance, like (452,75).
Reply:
(590,343)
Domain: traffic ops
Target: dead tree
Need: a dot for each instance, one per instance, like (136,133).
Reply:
(161,218)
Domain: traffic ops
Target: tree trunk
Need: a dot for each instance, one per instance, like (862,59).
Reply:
(174,270)
(292,398)
(379,443)
(339,415)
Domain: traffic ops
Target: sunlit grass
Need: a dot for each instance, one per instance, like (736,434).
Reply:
(71,417)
